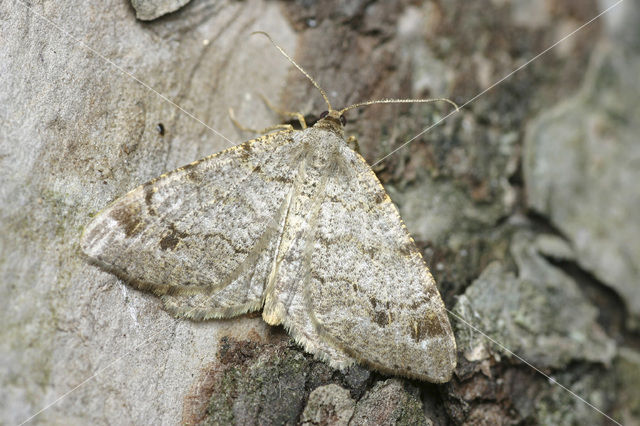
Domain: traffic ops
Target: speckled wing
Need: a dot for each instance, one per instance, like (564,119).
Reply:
(370,293)
(203,236)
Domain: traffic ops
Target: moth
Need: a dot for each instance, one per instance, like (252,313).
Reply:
(297,224)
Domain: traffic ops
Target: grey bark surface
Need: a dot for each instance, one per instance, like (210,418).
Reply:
(524,204)
(567,150)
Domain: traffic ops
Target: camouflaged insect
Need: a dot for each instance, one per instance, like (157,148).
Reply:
(294,223)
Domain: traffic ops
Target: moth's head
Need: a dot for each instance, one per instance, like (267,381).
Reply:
(332,119)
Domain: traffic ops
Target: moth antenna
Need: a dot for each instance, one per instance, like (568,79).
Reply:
(322,92)
(399,101)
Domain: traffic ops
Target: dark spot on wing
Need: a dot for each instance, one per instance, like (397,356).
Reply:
(429,326)
(281,178)
(148,195)
(245,150)
(432,292)
(128,216)
(418,303)
(160,129)
(171,240)
(380,196)
(193,176)
(191,172)
(381,318)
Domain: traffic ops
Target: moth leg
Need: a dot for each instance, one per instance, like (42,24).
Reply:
(296,115)
(259,131)
(352,141)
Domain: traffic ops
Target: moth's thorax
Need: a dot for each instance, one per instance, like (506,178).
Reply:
(331,122)
(323,147)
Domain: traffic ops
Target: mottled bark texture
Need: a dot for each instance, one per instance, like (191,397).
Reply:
(524,204)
